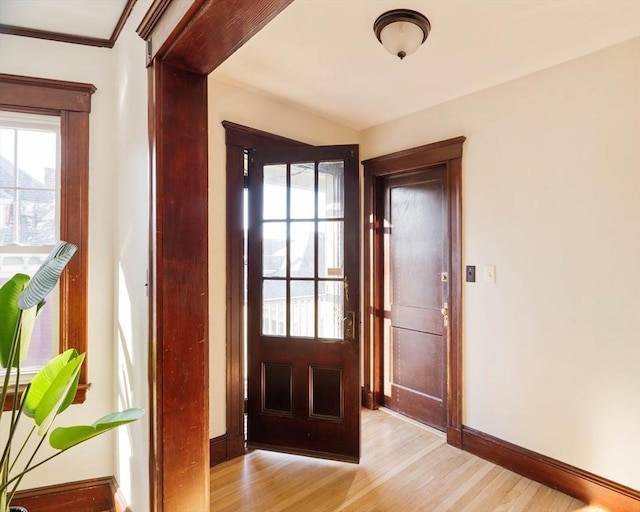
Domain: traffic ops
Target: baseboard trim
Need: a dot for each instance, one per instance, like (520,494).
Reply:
(573,481)
(454,437)
(217,450)
(367,399)
(223,448)
(94,495)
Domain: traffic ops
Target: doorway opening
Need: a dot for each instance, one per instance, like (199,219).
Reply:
(292,275)
(239,140)
(415,294)
(424,319)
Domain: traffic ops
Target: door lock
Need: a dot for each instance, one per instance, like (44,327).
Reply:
(445,313)
(349,324)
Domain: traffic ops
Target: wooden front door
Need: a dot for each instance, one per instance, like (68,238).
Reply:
(416,290)
(303,348)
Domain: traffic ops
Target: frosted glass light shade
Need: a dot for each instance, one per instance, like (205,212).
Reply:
(401,31)
(401,38)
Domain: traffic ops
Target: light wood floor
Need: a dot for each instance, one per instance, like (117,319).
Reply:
(404,467)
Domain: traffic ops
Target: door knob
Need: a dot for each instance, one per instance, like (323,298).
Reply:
(445,309)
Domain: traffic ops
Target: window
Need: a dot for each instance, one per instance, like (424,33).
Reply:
(43,198)
(29,213)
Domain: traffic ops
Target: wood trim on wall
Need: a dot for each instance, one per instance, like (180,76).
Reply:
(119,502)
(72,38)
(206,47)
(573,481)
(166,19)
(179,301)
(71,102)
(235,296)
(93,495)
(178,355)
(224,447)
(43,94)
(152,17)
(218,450)
(366,398)
(446,153)
(54,36)
(124,16)
(238,139)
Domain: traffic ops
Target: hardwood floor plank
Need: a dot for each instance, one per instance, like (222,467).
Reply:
(491,496)
(521,494)
(404,467)
(395,471)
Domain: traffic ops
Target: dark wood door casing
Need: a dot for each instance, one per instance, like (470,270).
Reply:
(178,347)
(239,139)
(448,154)
(178,289)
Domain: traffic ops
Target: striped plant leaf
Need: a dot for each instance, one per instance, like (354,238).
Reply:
(47,275)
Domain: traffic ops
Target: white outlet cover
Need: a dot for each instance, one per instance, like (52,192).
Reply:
(489,273)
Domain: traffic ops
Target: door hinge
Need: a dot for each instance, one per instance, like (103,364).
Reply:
(149,51)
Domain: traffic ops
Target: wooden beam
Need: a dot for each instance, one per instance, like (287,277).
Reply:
(179,292)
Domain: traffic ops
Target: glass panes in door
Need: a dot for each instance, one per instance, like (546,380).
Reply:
(303,250)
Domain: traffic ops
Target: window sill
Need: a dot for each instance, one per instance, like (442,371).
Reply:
(81,396)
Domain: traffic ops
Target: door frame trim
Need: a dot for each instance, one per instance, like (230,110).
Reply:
(447,154)
(182,49)
(238,138)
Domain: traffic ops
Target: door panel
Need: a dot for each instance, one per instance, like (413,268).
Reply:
(415,372)
(303,372)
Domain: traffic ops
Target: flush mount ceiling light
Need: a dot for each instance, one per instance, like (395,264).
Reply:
(401,31)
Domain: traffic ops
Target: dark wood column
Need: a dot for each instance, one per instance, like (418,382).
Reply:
(180,293)
(208,32)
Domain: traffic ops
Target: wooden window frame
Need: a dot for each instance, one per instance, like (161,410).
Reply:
(71,101)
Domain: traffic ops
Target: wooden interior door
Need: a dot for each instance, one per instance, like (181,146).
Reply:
(302,318)
(416,290)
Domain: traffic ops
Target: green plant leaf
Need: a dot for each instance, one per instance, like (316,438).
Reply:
(43,380)
(57,395)
(71,394)
(52,388)
(28,322)
(9,293)
(47,275)
(63,438)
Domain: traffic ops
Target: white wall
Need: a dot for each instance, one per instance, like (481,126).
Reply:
(38,58)
(230,103)
(118,250)
(551,197)
(131,228)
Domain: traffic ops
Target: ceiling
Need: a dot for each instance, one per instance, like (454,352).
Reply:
(92,19)
(322,55)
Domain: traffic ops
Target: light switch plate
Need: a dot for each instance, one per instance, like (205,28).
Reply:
(489,273)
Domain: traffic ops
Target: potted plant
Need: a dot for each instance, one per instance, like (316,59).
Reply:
(51,390)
